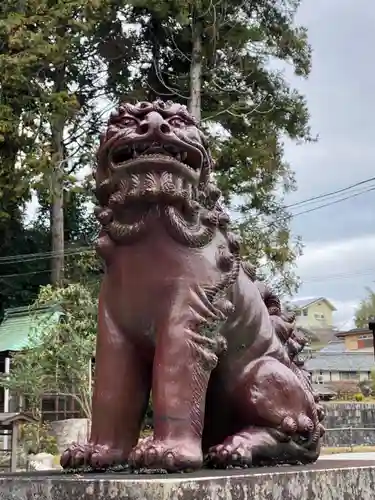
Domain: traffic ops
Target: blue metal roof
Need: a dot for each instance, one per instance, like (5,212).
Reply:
(342,362)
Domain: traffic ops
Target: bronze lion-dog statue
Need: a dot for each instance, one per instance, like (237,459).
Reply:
(183,318)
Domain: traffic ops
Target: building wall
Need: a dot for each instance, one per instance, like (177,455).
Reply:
(363,342)
(318,315)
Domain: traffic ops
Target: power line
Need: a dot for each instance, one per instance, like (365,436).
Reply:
(313,279)
(331,193)
(354,195)
(31,257)
(31,273)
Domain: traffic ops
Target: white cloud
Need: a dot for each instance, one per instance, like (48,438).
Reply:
(344,316)
(339,271)
(351,256)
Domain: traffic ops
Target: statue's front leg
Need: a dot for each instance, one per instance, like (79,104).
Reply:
(182,367)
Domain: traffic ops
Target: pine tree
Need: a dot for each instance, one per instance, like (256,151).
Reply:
(223,60)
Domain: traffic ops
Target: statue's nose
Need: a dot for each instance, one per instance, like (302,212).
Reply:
(154,124)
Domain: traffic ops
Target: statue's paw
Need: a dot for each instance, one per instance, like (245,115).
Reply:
(171,456)
(95,456)
(235,451)
(76,456)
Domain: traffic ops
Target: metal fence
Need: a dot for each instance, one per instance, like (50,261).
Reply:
(349,437)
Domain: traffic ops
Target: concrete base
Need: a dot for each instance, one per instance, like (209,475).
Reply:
(331,480)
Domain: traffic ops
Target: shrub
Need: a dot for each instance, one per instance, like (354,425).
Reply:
(36,438)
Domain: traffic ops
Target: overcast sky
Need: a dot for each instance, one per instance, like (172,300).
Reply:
(339,254)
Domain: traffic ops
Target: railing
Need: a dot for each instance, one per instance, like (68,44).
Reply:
(349,437)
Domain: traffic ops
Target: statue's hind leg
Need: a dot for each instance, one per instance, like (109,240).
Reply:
(279,421)
(122,388)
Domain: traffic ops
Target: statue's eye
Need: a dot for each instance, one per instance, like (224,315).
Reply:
(176,122)
(127,121)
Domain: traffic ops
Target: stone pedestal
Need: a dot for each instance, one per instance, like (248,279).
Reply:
(326,480)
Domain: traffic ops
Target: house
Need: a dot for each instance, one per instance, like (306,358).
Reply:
(18,330)
(350,357)
(357,339)
(313,313)
(339,367)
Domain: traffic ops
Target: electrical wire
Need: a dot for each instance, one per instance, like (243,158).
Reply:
(331,193)
(39,256)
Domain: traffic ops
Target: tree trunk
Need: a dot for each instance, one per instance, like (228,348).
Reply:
(57,219)
(196,72)
(57,188)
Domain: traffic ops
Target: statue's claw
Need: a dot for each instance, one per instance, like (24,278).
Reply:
(92,456)
(171,456)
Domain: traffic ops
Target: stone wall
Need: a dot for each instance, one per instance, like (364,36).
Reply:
(66,432)
(349,424)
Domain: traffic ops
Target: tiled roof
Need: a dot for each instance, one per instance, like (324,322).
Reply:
(343,362)
(302,303)
(354,331)
(334,346)
(19,327)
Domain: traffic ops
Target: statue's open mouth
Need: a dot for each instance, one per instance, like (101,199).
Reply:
(136,158)
(149,172)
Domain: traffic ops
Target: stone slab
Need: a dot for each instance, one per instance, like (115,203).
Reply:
(336,480)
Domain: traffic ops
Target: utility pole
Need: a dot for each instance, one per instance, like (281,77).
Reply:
(371,325)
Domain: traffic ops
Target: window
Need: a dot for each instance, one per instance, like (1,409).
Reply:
(349,375)
(318,316)
(298,313)
(59,408)
(305,312)
(365,341)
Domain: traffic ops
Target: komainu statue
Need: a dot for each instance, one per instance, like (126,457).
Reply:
(181,317)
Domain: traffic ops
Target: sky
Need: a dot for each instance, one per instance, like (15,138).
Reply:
(339,254)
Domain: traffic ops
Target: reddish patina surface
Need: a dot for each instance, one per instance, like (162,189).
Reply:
(181,316)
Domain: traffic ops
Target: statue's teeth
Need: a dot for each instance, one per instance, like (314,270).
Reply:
(186,193)
(124,185)
(150,184)
(117,198)
(134,184)
(177,181)
(166,182)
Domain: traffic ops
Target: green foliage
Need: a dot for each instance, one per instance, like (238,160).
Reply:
(247,106)
(21,277)
(37,438)
(365,310)
(58,361)
(58,59)
(359,397)
(49,83)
